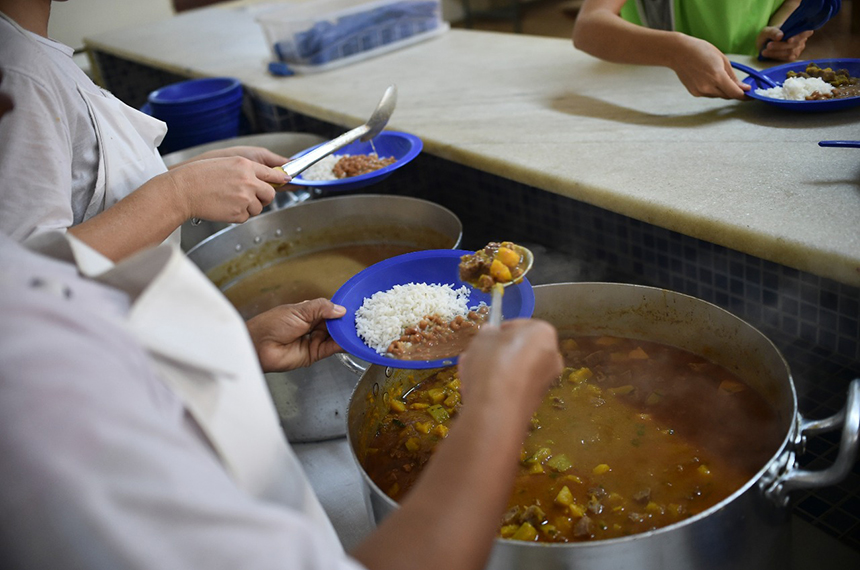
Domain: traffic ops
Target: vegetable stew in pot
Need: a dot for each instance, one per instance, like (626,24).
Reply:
(635,435)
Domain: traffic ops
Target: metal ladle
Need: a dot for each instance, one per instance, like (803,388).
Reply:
(365,132)
(498,290)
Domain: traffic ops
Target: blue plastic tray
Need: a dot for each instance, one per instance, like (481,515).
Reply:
(402,146)
(778,74)
(435,266)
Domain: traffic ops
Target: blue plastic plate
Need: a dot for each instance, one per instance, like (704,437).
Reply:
(402,146)
(778,74)
(434,266)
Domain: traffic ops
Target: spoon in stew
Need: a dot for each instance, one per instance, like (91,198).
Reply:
(493,268)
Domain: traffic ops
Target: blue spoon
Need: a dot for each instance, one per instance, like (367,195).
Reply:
(754,73)
(841,144)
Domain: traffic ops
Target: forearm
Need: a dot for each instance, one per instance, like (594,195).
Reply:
(606,35)
(144,218)
(450,518)
(783,12)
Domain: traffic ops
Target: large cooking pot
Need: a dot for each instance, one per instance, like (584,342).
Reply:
(312,402)
(748,530)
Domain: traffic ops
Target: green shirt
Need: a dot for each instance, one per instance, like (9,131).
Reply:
(731,25)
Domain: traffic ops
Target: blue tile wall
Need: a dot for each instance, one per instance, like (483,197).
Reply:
(814,321)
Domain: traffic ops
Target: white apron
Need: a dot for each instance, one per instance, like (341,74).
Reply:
(200,346)
(128,156)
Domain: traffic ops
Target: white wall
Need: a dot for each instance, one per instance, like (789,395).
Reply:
(73,20)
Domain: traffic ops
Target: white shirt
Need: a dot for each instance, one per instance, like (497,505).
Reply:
(105,466)
(48,143)
(69,149)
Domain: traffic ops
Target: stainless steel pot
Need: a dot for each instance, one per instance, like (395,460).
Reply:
(312,402)
(749,529)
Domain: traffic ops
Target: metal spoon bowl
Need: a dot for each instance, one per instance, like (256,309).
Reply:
(495,318)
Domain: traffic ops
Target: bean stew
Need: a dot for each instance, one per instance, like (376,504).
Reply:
(434,337)
(358,164)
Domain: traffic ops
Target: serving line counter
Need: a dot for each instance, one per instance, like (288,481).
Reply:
(534,110)
(615,170)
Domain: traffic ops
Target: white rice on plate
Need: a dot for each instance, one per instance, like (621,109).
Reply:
(384,316)
(797,89)
(324,169)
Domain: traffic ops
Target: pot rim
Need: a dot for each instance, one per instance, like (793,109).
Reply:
(312,202)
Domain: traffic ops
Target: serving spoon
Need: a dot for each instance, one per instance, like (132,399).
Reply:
(364,133)
(528,258)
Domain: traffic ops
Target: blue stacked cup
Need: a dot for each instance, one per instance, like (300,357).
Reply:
(197,111)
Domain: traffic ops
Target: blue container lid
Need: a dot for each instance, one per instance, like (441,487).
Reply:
(197,93)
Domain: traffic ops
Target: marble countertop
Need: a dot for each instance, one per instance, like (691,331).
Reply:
(629,139)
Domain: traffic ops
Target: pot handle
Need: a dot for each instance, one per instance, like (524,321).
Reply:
(357,367)
(786,476)
(286,198)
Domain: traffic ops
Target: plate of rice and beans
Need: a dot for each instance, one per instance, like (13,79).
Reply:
(811,86)
(414,311)
(360,164)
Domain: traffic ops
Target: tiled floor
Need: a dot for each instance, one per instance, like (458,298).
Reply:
(555,18)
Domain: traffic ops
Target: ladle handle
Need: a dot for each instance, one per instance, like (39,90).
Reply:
(495,319)
(305,161)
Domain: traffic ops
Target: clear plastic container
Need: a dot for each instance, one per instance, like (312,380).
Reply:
(311,37)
